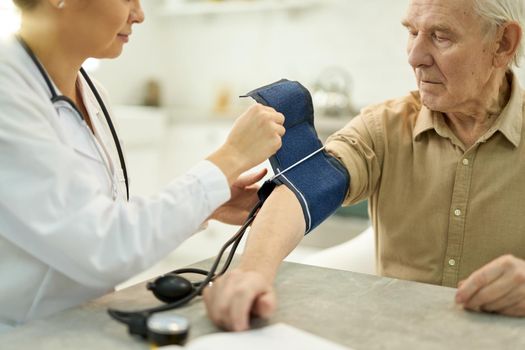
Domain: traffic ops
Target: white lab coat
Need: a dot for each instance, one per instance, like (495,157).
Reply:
(65,236)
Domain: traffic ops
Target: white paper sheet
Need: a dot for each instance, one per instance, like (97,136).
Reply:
(277,336)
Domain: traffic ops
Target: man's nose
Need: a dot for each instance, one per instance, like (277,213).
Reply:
(419,52)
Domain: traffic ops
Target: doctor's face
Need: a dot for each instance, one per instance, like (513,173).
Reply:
(100,28)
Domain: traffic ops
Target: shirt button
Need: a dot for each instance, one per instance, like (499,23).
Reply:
(465,161)
(452,262)
(457,212)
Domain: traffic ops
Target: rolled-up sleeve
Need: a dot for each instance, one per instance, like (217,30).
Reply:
(358,148)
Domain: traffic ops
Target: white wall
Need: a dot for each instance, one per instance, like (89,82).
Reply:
(195,56)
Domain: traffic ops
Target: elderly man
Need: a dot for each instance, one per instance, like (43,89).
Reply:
(443,168)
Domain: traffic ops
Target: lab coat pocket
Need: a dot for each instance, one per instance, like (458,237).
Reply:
(87,147)
(81,140)
(80,137)
(91,157)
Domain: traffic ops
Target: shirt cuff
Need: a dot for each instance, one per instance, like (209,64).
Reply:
(214,183)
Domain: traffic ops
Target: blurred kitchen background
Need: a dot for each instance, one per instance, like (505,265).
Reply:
(175,88)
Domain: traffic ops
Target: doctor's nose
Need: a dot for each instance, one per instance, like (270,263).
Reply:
(137,14)
(419,54)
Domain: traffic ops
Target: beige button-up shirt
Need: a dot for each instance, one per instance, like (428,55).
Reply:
(439,211)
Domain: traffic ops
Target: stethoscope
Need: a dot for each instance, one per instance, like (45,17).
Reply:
(55,98)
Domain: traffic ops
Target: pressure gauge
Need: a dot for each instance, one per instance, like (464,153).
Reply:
(167,329)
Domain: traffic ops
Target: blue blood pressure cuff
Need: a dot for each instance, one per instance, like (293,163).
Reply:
(318,180)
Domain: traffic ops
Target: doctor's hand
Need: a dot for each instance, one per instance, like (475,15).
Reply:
(243,199)
(497,287)
(255,136)
(236,296)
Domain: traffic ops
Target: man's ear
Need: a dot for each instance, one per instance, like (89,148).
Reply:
(509,39)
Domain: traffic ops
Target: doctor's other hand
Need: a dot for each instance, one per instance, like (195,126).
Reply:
(243,199)
(255,136)
(497,287)
(236,296)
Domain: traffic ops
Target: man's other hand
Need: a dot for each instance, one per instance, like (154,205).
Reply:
(497,287)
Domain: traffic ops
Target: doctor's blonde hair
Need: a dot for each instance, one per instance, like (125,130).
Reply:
(499,12)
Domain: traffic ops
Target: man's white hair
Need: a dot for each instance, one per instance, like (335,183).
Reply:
(498,12)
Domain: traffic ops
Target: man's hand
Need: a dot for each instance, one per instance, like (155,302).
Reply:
(496,287)
(243,199)
(247,290)
(236,296)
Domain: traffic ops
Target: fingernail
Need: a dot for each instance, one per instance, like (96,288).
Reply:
(239,328)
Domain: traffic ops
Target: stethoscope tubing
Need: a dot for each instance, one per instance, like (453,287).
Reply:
(56,98)
(128,317)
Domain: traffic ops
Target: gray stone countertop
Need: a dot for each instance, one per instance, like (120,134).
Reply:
(359,311)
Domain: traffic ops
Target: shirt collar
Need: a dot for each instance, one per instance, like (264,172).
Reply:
(424,121)
(511,118)
(509,122)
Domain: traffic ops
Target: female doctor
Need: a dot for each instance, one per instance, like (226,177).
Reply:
(68,231)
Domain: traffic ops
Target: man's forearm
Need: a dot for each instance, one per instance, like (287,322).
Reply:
(277,230)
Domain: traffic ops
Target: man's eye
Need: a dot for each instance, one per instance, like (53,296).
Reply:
(439,38)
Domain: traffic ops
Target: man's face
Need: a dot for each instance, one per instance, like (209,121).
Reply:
(450,52)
